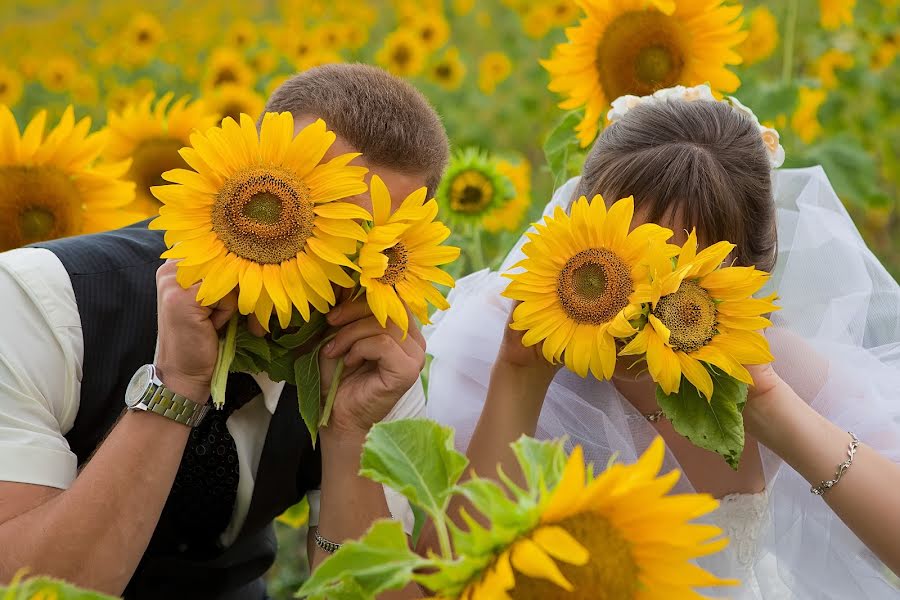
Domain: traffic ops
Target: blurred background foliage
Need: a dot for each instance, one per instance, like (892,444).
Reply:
(823,72)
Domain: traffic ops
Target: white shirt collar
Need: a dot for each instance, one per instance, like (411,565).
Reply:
(271,390)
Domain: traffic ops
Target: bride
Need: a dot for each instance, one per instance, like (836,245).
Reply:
(693,162)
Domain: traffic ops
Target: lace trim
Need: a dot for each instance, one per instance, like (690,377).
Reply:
(741,518)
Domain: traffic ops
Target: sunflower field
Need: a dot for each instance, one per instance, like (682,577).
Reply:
(522,86)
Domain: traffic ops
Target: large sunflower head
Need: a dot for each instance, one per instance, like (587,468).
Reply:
(403,53)
(152,136)
(578,288)
(618,535)
(637,47)
(400,258)
(473,188)
(52,185)
(262,211)
(702,316)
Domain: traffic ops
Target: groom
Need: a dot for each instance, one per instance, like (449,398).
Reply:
(171,505)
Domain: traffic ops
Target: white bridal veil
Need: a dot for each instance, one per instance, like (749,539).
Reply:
(836,342)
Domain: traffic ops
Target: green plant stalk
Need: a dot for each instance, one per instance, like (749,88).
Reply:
(440,526)
(227,345)
(332,392)
(787,64)
(476,255)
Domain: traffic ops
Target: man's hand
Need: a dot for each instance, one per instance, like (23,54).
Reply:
(188,335)
(380,366)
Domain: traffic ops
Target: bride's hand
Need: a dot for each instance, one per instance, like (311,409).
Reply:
(514,353)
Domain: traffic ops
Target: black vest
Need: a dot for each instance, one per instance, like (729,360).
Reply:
(113,275)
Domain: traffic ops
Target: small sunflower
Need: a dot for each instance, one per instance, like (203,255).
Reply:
(762,36)
(231,100)
(834,13)
(402,54)
(57,73)
(579,286)
(805,120)
(319,58)
(449,71)
(703,314)
(152,136)
(263,61)
(431,28)
(242,35)
(537,21)
(52,186)
(10,86)
(401,255)
(831,61)
(261,212)
(493,69)
(472,189)
(144,32)
(619,533)
(227,66)
(85,90)
(634,47)
(509,217)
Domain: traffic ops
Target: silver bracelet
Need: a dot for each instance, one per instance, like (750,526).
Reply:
(823,487)
(325,544)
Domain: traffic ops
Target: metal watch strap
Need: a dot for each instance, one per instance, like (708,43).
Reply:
(165,402)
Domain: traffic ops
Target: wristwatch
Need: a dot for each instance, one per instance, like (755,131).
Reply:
(147,392)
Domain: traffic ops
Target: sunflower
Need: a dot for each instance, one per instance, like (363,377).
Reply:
(319,58)
(635,47)
(431,28)
(493,68)
(537,21)
(401,255)
(827,64)
(51,186)
(241,35)
(263,61)
(472,189)
(152,138)
(805,120)
(762,36)
(57,73)
(618,532)
(261,212)
(834,13)
(563,12)
(143,33)
(509,217)
(703,315)
(227,66)
(231,100)
(579,287)
(449,71)
(10,86)
(84,89)
(402,54)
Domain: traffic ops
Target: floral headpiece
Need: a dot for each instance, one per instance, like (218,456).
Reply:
(770,137)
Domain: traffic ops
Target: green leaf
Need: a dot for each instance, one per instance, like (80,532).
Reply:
(296,516)
(281,367)
(346,589)
(716,425)
(248,344)
(541,461)
(309,391)
(415,457)
(381,560)
(559,143)
(46,587)
(305,332)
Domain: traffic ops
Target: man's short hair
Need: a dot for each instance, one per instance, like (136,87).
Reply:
(380,115)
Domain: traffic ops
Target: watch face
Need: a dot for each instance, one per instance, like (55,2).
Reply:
(138,385)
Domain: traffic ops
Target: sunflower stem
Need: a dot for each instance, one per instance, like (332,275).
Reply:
(227,345)
(787,64)
(332,392)
(477,251)
(444,539)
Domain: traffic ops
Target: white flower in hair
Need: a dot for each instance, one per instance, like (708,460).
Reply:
(770,137)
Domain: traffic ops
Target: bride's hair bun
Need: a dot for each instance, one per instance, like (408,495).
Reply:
(691,164)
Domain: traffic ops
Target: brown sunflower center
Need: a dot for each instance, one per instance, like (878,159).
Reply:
(427,33)
(443,71)
(152,158)
(691,316)
(143,36)
(41,203)
(398,259)
(470,193)
(640,52)
(233,109)
(225,75)
(402,55)
(3,87)
(610,574)
(264,214)
(594,286)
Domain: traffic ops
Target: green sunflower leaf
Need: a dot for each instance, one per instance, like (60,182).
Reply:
(302,334)
(309,391)
(716,425)
(561,141)
(542,462)
(381,560)
(45,587)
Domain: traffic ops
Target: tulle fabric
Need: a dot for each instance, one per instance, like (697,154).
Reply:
(836,342)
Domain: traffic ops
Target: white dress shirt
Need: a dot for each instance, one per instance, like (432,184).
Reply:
(41,357)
